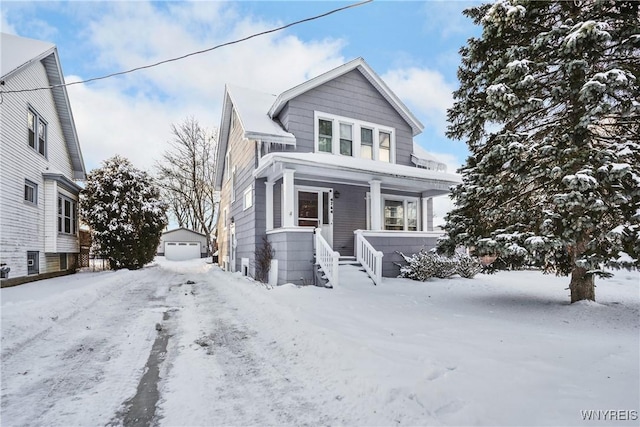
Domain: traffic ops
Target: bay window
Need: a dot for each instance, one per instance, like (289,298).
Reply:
(67,215)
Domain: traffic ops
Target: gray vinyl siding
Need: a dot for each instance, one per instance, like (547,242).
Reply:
(391,245)
(294,252)
(25,227)
(350,95)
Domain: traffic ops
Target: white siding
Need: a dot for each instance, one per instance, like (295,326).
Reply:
(23,227)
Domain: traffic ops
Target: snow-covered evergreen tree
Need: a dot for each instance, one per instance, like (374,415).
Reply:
(122,206)
(549,105)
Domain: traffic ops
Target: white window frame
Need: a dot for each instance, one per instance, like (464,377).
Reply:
(62,215)
(248,192)
(227,162)
(34,188)
(356,125)
(40,141)
(405,199)
(225,218)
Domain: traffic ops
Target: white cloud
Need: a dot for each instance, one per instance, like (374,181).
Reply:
(425,91)
(446,18)
(5,26)
(131,115)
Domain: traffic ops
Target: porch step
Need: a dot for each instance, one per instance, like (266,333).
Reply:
(348,260)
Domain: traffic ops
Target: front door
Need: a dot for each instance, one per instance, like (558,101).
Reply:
(315,209)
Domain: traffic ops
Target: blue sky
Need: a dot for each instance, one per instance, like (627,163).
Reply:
(412,45)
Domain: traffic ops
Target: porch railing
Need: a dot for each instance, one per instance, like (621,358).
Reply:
(327,258)
(369,257)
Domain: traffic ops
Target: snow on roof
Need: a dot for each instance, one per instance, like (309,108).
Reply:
(332,161)
(252,107)
(20,51)
(423,158)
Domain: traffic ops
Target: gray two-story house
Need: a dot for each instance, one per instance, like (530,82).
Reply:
(328,173)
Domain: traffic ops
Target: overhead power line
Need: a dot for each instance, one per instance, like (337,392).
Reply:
(178,58)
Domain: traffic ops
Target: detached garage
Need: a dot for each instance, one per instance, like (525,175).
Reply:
(181,244)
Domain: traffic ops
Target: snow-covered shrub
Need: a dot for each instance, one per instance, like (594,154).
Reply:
(425,264)
(444,267)
(122,206)
(419,266)
(467,266)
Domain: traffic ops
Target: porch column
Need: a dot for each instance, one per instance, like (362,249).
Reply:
(288,198)
(269,205)
(376,205)
(427,214)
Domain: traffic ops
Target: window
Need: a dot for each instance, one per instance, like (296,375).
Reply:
(30,192)
(63,262)
(400,213)
(33,262)
(366,143)
(225,217)
(234,119)
(37,132)
(350,137)
(346,139)
(385,147)
(307,209)
(227,164)
(325,135)
(247,200)
(67,215)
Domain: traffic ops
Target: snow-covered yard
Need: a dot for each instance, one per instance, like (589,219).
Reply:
(505,349)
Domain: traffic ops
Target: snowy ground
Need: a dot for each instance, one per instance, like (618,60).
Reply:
(505,349)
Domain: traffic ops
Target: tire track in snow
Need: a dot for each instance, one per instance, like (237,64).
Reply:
(89,361)
(239,378)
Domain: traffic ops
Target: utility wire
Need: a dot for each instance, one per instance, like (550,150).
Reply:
(273,30)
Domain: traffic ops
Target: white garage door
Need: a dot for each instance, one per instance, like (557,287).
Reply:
(178,251)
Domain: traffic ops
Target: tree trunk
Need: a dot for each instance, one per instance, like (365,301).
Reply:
(582,285)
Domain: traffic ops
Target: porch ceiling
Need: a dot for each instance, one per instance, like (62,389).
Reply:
(354,171)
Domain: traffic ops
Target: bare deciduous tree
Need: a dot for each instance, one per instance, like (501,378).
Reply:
(185,175)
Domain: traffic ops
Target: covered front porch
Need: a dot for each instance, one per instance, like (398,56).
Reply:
(344,200)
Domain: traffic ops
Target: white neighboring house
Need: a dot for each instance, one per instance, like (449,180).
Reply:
(40,160)
(181,244)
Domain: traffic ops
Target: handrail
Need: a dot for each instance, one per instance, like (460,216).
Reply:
(327,258)
(369,257)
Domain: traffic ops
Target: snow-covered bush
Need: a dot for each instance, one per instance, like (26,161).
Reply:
(425,264)
(122,206)
(467,266)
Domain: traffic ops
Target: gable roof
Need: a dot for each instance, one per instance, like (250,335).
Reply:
(373,78)
(182,229)
(252,107)
(20,52)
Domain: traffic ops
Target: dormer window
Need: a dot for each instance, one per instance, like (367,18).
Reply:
(354,138)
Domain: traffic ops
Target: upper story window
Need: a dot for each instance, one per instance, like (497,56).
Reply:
(354,138)
(37,130)
(67,215)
